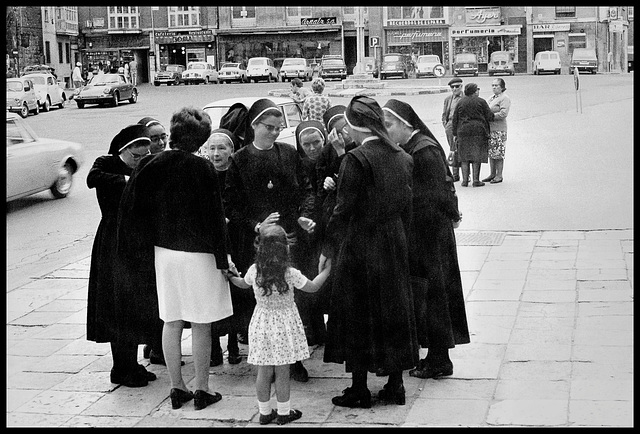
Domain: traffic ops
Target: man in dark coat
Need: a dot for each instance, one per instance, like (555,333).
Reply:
(371,323)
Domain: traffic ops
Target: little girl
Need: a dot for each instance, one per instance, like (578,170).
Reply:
(276,333)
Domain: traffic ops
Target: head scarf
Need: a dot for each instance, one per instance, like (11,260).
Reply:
(470,89)
(149,121)
(261,107)
(235,120)
(365,115)
(228,134)
(128,136)
(309,126)
(333,114)
(408,116)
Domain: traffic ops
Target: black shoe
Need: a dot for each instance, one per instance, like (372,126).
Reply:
(158,359)
(150,376)
(391,394)
(146,351)
(478,183)
(298,372)
(217,361)
(496,180)
(234,358)
(179,397)
(489,178)
(129,379)
(266,419)
(202,399)
(464,183)
(353,398)
(293,415)
(431,370)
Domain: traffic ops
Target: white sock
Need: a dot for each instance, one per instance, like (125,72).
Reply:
(264,407)
(284,408)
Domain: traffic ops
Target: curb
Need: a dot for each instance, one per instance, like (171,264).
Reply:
(350,93)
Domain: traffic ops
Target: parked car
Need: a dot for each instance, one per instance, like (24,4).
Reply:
(465,63)
(395,65)
(332,66)
(171,74)
(501,62)
(233,72)
(292,116)
(261,68)
(200,72)
(584,59)
(47,89)
(107,89)
(36,164)
(21,96)
(425,65)
(296,67)
(546,61)
(39,68)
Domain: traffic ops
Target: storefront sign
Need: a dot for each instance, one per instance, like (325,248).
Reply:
(561,27)
(318,21)
(616,26)
(484,16)
(486,31)
(414,23)
(406,37)
(175,37)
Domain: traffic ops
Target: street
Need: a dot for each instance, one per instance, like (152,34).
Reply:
(564,169)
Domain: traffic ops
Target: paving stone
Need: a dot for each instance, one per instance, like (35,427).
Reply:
(601,413)
(532,389)
(602,390)
(529,412)
(469,413)
(536,370)
(538,351)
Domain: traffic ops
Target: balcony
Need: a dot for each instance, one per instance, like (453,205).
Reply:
(64,27)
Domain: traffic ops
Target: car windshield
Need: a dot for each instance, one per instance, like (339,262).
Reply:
(197,66)
(428,59)
(14,86)
(584,55)
(101,80)
(332,63)
(466,58)
(500,56)
(172,68)
(288,62)
(257,62)
(394,58)
(230,65)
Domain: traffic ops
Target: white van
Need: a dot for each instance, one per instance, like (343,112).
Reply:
(546,61)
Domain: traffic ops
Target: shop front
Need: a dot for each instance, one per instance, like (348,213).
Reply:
(184,47)
(112,52)
(420,40)
(309,43)
(485,40)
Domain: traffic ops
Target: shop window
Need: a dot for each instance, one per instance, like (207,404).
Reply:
(123,17)
(184,16)
(565,11)
(243,16)
(577,40)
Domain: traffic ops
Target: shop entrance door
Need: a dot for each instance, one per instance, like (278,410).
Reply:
(542,44)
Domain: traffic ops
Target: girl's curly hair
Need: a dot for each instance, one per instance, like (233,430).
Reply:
(272,260)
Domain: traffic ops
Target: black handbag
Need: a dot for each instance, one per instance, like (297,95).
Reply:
(453,159)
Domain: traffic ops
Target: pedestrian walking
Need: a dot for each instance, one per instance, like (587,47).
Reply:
(441,321)
(450,103)
(105,298)
(173,208)
(471,130)
(371,323)
(276,333)
(500,104)
(133,71)
(266,183)
(315,104)
(76,76)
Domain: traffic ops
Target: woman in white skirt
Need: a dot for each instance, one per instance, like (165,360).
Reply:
(172,208)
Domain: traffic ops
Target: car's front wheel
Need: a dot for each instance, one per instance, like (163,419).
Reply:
(62,186)
(176,81)
(47,104)
(114,100)
(24,110)
(134,97)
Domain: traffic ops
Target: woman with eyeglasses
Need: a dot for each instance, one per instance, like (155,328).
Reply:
(266,184)
(157,134)
(109,176)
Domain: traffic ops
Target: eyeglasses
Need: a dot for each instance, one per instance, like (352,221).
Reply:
(137,157)
(162,137)
(455,86)
(272,128)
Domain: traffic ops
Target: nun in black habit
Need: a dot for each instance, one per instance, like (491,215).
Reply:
(441,320)
(371,323)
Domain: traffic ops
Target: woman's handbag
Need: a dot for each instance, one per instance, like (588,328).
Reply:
(453,159)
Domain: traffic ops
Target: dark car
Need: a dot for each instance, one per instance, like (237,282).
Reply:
(107,89)
(395,65)
(172,74)
(584,59)
(465,63)
(333,67)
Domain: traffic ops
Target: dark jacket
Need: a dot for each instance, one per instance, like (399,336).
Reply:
(471,117)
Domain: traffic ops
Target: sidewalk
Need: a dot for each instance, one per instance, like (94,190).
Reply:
(551,322)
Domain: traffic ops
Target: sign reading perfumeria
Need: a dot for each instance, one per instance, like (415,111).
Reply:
(512,30)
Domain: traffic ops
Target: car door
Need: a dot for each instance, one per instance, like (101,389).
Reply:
(293,117)
(52,90)
(24,157)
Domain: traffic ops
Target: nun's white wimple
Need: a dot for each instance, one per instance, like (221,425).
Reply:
(361,129)
(152,122)
(404,121)
(309,128)
(223,134)
(134,140)
(253,121)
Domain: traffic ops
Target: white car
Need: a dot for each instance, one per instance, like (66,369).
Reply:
(232,72)
(291,114)
(36,164)
(47,89)
(296,67)
(425,65)
(261,68)
(547,61)
(200,72)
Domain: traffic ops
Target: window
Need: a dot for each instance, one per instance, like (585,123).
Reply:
(565,11)
(47,52)
(299,11)
(245,11)
(60,53)
(414,12)
(630,12)
(123,17)
(184,16)
(67,52)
